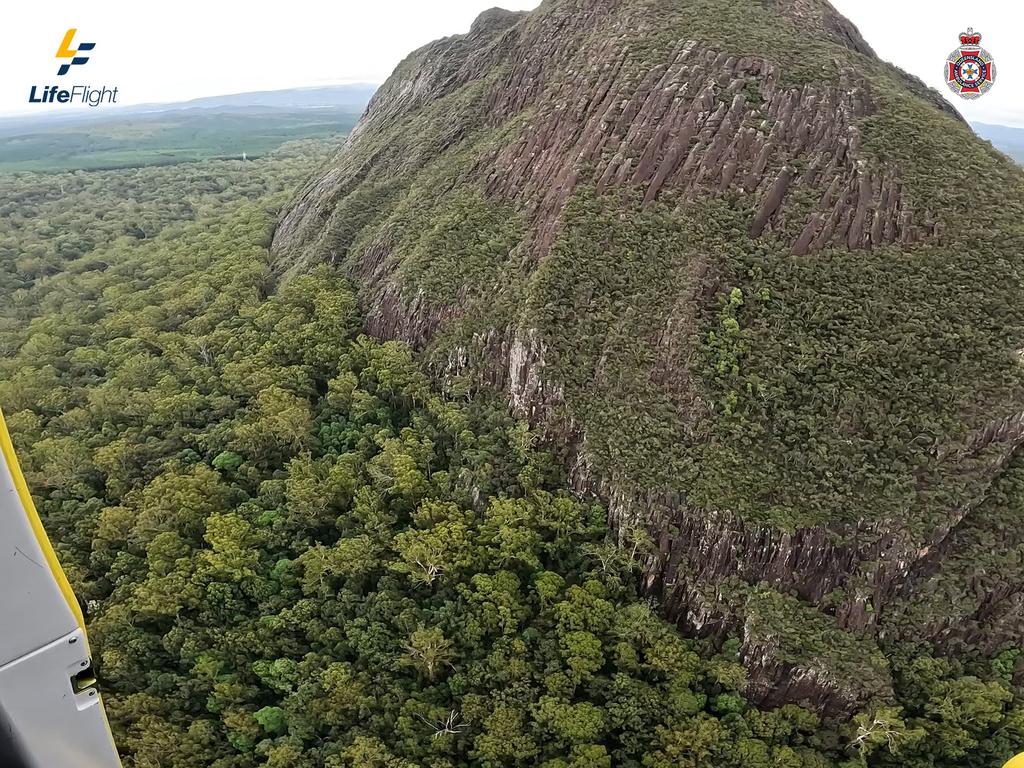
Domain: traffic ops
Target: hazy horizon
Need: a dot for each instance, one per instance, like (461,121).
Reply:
(156,56)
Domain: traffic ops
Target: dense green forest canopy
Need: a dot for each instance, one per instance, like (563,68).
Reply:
(297,552)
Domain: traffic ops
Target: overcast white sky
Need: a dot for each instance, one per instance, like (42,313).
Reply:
(917,35)
(175,51)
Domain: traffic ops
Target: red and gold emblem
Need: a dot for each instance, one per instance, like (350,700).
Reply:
(970,70)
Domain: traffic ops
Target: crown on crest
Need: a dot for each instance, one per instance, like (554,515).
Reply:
(970,37)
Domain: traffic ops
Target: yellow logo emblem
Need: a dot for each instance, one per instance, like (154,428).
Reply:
(66,52)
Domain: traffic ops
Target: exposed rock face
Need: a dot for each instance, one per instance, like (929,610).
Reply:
(703,121)
(778,111)
(692,126)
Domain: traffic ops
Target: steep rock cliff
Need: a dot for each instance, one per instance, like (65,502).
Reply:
(762,290)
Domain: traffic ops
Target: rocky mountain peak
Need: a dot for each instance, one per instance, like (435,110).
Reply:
(717,251)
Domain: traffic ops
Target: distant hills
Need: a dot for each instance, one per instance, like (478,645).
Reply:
(355,96)
(350,97)
(1009,141)
(208,127)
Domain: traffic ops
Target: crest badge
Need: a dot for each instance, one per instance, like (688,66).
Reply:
(970,70)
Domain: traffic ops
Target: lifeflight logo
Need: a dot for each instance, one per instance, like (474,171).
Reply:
(76,94)
(65,52)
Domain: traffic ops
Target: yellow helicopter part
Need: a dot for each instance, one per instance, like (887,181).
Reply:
(50,709)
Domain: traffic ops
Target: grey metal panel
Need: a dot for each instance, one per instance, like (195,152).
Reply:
(58,726)
(33,611)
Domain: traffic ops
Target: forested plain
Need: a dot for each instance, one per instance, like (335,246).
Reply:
(177,134)
(297,550)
